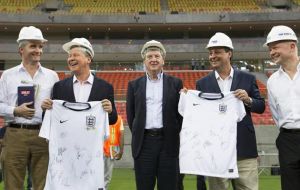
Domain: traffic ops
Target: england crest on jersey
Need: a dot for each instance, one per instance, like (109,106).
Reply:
(90,122)
(222,108)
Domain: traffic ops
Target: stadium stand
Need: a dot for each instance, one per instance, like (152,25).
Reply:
(18,6)
(120,79)
(1,122)
(264,119)
(262,88)
(297,2)
(198,6)
(113,6)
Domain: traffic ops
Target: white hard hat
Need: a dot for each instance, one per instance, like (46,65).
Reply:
(279,33)
(220,40)
(81,42)
(31,33)
(153,43)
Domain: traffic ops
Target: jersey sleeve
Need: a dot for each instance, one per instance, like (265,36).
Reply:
(241,112)
(46,125)
(181,104)
(106,126)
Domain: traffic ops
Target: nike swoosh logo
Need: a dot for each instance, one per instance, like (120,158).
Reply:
(196,104)
(62,121)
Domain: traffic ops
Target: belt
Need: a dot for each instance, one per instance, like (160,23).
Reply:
(284,130)
(154,132)
(25,126)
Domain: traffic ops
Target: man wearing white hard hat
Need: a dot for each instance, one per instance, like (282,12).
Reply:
(284,100)
(22,90)
(152,104)
(80,56)
(225,79)
(83,166)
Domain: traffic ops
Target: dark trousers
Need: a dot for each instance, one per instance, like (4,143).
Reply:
(200,182)
(288,144)
(153,163)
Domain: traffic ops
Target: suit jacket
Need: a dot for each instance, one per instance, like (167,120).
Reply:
(63,90)
(246,140)
(136,113)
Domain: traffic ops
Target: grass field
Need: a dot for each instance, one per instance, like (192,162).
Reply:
(123,179)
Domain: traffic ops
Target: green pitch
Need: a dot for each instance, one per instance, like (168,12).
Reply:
(123,179)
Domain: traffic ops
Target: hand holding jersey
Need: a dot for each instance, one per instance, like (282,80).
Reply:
(76,132)
(208,134)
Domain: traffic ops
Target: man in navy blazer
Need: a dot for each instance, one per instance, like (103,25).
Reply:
(224,79)
(83,86)
(152,104)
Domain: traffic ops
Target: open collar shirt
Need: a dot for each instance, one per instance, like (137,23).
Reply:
(82,89)
(225,84)
(284,98)
(42,81)
(154,98)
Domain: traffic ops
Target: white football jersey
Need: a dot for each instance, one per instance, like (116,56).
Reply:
(76,132)
(209,134)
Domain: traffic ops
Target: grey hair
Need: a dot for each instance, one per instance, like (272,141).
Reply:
(153,48)
(23,43)
(84,50)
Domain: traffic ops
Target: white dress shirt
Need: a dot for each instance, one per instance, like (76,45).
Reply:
(154,98)
(225,84)
(43,81)
(82,89)
(284,98)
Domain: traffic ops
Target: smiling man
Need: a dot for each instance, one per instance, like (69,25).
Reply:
(284,100)
(152,104)
(83,86)
(84,145)
(22,90)
(225,79)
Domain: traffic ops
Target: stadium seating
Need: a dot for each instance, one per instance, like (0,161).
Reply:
(258,119)
(113,6)
(262,88)
(120,79)
(86,6)
(18,6)
(199,6)
(263,119)
(297,2)
(1,122)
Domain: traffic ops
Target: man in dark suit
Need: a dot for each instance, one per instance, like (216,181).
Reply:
(224,79)
(152,104)
(83,86)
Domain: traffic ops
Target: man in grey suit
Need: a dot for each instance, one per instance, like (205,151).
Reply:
(152,104)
